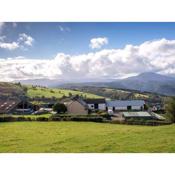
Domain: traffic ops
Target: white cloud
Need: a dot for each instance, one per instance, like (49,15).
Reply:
(155,56)
(9,46)
(22,41)
(26,39)
(97,43)
(64,29)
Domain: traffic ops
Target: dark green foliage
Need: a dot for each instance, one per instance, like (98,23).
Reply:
(170,109)
(59,108)
(56,119)
(87,119)
(44,119)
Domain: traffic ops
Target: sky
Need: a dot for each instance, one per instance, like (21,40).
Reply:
(85,51)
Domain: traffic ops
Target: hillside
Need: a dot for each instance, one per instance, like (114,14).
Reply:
(122,94)
(145,82)
(10,90)
(54,92)
(150,82)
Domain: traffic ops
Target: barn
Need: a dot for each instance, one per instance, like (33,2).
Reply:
(123,105)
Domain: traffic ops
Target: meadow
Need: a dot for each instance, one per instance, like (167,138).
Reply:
(82,137)
(55,92)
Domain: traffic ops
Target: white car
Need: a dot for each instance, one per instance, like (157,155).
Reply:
(110,112)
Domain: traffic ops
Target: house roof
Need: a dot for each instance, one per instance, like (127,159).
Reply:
(95,100)
(70,100)
(125,103)
(8,105)
(137,114)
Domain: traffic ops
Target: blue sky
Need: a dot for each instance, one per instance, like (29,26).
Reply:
(85,51)
(75,37)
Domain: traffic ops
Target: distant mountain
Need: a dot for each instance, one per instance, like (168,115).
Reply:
(145,82)
(42,82)
(150,82)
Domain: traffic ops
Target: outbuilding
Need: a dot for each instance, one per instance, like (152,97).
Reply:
(138,115)
(96,104)
(123,105)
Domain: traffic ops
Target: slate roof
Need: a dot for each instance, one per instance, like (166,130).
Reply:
(8,105)
(95,101)
(125,103)
(69,100)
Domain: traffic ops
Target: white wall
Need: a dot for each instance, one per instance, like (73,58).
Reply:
(120,108)
(136,107)
(91,106)
(101,106)
(125,108)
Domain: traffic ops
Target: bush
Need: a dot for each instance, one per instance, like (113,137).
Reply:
(170,108)
(8,119)
(88,119)
(56,119)
(59,108)
(21,119)
(42,119)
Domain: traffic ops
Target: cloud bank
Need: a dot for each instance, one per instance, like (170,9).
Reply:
(155,56)
(97,43)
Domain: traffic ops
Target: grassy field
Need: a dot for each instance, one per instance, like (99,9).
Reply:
(53,92)
(83,137)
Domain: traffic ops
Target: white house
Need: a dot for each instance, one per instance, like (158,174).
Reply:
(96,104)
(125,105)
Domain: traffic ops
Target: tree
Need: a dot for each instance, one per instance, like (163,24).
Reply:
(59,108)
(170,109)
(70,94)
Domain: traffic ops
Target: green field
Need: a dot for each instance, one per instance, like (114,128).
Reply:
(53,92)
(83,137)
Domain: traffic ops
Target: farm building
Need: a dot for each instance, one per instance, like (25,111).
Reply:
(125,105)
(7,106)
(96,104)
(138,115)
(75,105)
(14,106)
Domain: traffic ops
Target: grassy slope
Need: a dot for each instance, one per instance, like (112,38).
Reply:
(58,93)
(9,89)
(84,137)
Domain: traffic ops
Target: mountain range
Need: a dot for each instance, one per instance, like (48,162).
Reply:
(144,82)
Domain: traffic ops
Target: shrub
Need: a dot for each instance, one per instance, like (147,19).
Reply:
(88,119)
(170,108)
(56,119)
(21,119)
(59,108)
(42,119)
(8,119)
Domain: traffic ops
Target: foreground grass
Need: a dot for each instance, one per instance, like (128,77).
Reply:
(84,137)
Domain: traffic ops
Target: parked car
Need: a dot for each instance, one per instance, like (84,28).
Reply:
(110,112)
